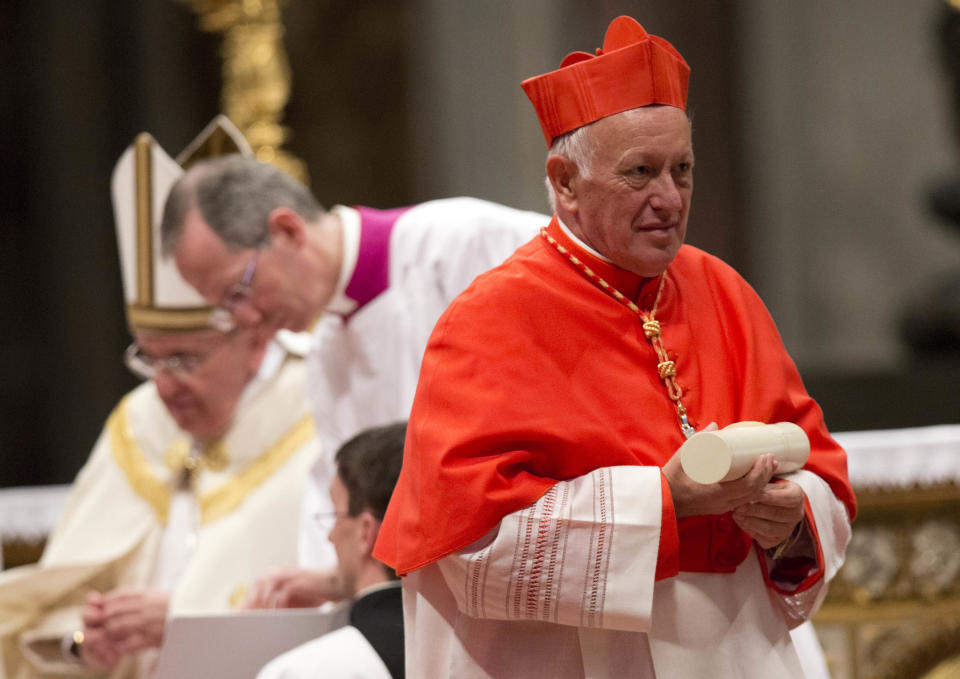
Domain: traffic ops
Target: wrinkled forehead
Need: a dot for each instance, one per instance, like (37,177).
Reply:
(165,343)
(649,120)
(663,128)
(204,260)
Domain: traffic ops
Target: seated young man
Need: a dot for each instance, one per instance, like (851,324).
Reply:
(371,646)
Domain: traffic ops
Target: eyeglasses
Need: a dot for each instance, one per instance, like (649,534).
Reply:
(146,366)
(327,520)
(222,315)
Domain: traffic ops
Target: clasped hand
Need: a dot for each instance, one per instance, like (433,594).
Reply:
(767,510)
(121,622)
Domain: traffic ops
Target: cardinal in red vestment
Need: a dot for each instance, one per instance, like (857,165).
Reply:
(542,520)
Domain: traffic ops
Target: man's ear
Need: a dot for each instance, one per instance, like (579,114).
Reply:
(369,530)
(285,225)
(562,174)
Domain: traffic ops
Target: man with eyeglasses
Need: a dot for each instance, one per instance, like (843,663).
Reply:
(371,646)
(192,493)
(256,244)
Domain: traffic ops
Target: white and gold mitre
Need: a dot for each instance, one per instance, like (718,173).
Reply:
(156,296)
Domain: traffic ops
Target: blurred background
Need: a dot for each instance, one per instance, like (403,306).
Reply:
(821,131)
(826,134)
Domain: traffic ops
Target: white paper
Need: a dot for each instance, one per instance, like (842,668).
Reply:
(237,644)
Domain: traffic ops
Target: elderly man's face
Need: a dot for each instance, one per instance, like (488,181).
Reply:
(633,205)
(203,401)
(272,297)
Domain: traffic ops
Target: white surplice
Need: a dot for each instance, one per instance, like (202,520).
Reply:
(365,361)
(341,654)
(554,591)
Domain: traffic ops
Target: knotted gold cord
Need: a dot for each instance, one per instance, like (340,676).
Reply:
(666,368)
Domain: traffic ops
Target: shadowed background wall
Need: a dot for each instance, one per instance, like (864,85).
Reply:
(818,127)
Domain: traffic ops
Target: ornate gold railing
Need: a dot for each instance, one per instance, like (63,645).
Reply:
(893,611)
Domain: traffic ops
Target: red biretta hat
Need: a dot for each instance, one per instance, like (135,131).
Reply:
(632,69)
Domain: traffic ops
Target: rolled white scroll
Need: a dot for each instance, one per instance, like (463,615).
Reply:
(728,454)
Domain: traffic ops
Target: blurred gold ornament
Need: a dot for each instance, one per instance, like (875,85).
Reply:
(256,74)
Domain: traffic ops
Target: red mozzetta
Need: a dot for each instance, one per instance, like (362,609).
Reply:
(535,375)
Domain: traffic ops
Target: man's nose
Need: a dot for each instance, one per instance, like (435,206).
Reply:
(166,382)
(247,316)
(666,196)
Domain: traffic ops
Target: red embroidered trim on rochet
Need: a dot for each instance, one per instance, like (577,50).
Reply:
(595,593)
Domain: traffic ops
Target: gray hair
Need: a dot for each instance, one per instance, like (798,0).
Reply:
(578,146)
(235,196)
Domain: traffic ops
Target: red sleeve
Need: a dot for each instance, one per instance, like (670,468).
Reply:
(668,557)
(795,574)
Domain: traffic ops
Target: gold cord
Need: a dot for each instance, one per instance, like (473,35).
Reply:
(666,369)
